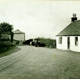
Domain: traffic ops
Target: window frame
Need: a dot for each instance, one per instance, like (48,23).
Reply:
(76,41)
(60,40)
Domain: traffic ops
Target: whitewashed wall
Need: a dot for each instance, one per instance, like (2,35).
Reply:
(19,37)
(63,45)
(74,47)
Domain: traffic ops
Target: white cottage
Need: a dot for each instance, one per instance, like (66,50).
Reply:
(69,38)
(19,35)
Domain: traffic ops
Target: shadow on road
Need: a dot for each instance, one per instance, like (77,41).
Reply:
(10,51)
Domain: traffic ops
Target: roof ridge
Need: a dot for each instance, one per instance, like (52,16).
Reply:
(17,31)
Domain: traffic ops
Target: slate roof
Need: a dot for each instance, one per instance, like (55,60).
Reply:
(73,29)
(18,32)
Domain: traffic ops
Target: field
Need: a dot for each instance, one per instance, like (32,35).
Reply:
(28,62)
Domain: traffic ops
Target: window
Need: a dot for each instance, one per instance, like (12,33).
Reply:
(76,40)
(60,40)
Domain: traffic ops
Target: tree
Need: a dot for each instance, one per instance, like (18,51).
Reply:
(6,28)
(12,36)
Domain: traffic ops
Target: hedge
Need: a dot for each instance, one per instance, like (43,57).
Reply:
(4,45)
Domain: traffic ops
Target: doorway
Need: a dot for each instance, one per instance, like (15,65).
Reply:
(68,42)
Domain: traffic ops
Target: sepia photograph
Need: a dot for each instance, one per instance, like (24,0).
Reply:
(39,39)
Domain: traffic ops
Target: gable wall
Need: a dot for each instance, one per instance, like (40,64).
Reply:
(19,37)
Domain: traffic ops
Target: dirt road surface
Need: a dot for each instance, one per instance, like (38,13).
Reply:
(28,62)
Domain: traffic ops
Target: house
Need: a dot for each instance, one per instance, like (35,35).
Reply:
(69,37)
(19,35)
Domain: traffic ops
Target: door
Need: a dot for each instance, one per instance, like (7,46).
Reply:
(68,42)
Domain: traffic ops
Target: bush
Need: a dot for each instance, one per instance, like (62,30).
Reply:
(3,49)
(1,44)
(47,42)
(42,42)
(17,42)
(7,43)
(5,40)
(27,41)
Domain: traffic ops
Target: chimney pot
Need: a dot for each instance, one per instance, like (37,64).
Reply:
(74,17)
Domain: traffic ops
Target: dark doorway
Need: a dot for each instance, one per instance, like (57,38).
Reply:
(68,42)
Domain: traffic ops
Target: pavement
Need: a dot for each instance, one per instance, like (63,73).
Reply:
(28,62)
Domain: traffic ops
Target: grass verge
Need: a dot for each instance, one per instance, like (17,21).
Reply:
(3,49)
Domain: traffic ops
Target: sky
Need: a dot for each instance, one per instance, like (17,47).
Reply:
(39,18)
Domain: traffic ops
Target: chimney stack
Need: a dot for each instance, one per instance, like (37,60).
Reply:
(74,17)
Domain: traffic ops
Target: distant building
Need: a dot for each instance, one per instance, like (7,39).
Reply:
(69,37)
(19,35)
